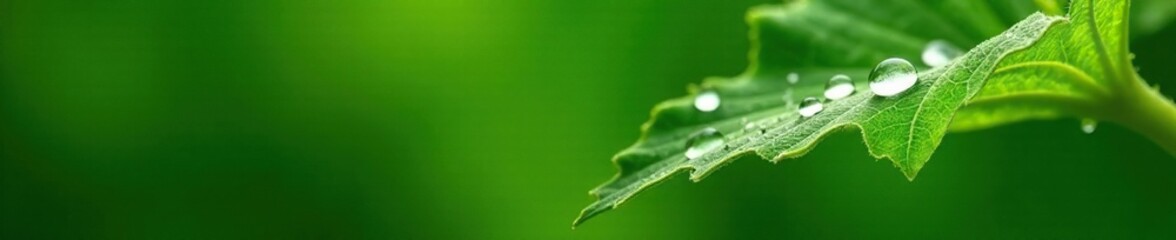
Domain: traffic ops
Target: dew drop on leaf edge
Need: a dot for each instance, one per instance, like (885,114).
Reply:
(939,53)
(1089,125)
(749,126)
(892,77)
(703,142)
(838,87)
(707,101)
(810,106)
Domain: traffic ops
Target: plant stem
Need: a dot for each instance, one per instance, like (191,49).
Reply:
(1146,112)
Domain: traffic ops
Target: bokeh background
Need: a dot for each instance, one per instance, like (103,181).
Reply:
(367,119)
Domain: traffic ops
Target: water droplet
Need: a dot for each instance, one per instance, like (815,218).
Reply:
(838,87)
(793,78)
(1089,125)
(704,142)
(810,106)
(749,126)
(939,53)
(892,76)
(706,101)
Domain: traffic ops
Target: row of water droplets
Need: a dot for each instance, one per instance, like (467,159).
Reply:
(889,78)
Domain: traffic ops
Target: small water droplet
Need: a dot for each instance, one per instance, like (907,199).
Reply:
(1089,125)
(749,126)
(810,106)
(939,53)
(793,78)
(706,101)
(838,87)
(892,77)
(704,142)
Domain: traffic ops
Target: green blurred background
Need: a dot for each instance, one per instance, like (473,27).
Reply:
(480,120)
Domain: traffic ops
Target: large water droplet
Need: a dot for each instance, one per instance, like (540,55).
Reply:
(793,78)
(892,76)
(704,142)
(1089,125)
(838,87)
(706,101)
(939,53)
(810,106)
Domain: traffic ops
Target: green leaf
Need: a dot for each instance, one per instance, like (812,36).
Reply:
(1042,67)
(1147,16)
(1081,68)
(1069,73)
